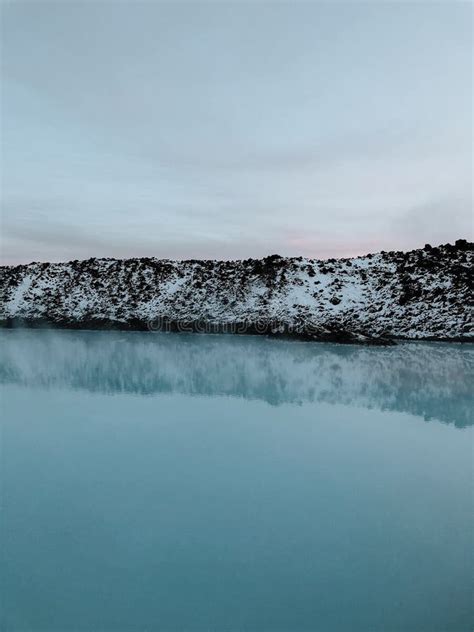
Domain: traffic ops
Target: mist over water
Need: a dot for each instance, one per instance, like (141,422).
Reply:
(188,482)
(428,380)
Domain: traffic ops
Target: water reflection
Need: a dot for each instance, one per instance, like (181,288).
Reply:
(432,381)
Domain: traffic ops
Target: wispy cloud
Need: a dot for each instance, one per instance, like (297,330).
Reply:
(233,130)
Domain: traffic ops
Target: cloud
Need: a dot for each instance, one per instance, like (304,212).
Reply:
(436,221)
(233,131)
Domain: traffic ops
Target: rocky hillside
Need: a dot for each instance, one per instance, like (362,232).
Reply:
(421,294)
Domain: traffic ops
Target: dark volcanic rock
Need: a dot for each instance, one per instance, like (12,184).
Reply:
(422,294)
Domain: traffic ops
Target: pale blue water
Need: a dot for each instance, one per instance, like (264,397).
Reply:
(166,482)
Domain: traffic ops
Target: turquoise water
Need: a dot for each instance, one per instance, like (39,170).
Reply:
(172,482)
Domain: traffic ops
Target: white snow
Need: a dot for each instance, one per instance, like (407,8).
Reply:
(389,293)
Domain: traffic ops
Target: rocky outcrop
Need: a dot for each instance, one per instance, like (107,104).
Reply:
(421,294)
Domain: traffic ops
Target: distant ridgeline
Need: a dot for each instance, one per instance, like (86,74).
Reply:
(421,294)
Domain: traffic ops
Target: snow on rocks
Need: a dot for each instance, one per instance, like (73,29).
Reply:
(421,294)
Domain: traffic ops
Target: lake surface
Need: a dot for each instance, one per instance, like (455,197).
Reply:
(218,483)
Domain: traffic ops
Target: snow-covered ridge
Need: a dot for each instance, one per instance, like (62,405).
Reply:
(420,294)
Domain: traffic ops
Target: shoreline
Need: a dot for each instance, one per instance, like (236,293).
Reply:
(283,331)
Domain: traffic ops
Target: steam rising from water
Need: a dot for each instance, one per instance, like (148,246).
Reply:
(432,381)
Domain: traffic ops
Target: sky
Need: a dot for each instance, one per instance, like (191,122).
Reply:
(228,130)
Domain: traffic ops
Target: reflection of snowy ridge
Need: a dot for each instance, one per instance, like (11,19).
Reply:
(431,380)
(420,294)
